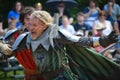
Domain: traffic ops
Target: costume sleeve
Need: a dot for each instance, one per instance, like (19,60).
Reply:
(90,41)
(69,36)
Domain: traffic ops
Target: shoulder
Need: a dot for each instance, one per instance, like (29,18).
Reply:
(11,12)
(10,33)
(75,25)
(86,10)
(105,7)
(21,38)
(116,5)
(97,21)
(107,21)
(71,26)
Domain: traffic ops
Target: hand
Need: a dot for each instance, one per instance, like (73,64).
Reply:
(98,9)
(5,49)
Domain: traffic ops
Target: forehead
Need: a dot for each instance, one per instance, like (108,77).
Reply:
(18,3)
(27,16)
(36,20)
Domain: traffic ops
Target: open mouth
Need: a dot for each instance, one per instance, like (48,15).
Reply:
(33,33)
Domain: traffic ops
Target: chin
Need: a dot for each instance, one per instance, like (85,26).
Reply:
(33,38)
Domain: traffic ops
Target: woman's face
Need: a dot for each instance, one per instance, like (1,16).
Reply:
(92,4)
(18,6)
(61,7)
(37,27)
(80,18)
(102,16)
(27,21)
(100,32)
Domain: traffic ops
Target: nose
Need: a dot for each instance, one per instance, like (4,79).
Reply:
(31,27)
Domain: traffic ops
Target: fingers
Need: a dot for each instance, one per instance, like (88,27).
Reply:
(8,52)
(9,45)
(6,49)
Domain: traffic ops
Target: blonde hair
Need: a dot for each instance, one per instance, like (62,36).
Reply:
(43,16)
(38,4)
(64,17)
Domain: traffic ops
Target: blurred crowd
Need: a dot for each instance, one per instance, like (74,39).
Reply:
(92,21)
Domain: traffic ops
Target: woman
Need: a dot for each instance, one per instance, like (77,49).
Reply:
(107,24)
(15,13)
(91,13)
(42,52)
(62,11)
(12,34)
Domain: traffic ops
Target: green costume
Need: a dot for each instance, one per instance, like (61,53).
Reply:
(52,57)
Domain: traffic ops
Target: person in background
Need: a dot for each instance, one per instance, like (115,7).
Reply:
(45,53)
(117,25)
(1,26)
(11,35)
(80,27)
(100,28)
(25,18)
(62,11)
(107,24)
(38,6)
(11,25)
(117,29)
(66,26)
(113,10)
(91,14)
(15,13)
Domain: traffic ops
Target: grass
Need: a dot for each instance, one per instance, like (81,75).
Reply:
(9,75)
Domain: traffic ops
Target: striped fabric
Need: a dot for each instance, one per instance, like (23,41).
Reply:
(90,65)
(53,59)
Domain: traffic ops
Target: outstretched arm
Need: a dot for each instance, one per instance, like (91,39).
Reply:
(91,41)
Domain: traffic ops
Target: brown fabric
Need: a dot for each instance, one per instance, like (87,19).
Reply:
(35,75)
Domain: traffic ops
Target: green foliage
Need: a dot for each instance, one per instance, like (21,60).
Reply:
(9,75)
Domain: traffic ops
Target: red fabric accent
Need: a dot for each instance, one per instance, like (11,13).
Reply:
(26,60)
(98,48)
(16,35)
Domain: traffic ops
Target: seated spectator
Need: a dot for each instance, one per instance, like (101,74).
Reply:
(25,18)
(38,6)
(117,25)
(15,13)
(107,24)
(80,27)
(117,29)
(62,11)
(11,25)
(65,25)
(100,28)
(1,26)
(91,14)
(113,10)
